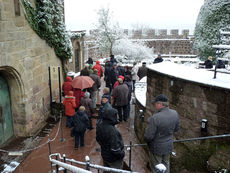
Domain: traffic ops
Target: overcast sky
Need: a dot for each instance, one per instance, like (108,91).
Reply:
(156,14)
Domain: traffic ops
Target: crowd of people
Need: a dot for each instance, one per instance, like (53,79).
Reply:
(114,108)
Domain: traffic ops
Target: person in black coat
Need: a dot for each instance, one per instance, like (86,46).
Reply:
(208,62)
(90,61)
(158,59)
(142,71)
(110,140)
(107,78)
(113,75)
(80,122)
(112,59)
(220,64)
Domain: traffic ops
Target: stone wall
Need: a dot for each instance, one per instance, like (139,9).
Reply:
(24,62)
(193,101)
(170,46)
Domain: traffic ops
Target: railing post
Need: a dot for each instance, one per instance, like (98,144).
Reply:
(57,164)
(130,155)
(50,153)
(87,162)
(64,159)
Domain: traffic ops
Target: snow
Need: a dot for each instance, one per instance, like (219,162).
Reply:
(186,72)
(140,91)
(221,46)
(160,167)
(191,73)
(11,167)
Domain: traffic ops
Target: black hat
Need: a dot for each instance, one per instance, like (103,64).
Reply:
(143,62)
(160,98)
(105,96)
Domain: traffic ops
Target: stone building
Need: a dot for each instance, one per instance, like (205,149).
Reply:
(195,102)
(24,77)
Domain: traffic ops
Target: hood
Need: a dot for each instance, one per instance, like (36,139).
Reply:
(122,77)
(80,113)
(70,95)
(110,116)
(98,62)
(68,79)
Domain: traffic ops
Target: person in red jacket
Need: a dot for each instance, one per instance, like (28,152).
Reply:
(99,68)
(117,83)
(70,105)
(78,94)
(66,87)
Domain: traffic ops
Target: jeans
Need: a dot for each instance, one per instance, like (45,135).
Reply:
(122,112)
(79,136)
(69,120)
(94,98)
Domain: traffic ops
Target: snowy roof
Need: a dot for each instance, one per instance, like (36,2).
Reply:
(221,46)
(193,74)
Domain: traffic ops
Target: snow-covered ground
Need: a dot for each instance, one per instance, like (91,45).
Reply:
(11,167)
(140,91)
(188,72)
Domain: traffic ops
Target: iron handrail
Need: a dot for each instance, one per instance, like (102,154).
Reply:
(185,140)
(90,165)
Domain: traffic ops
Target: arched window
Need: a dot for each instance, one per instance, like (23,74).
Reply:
(16,8)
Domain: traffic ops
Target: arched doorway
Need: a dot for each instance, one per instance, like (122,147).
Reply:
(6,119)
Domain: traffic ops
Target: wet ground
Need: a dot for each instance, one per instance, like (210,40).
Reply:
(37,160)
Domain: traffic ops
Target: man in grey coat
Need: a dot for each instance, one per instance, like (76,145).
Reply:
(95,87)
(121,100)
(159,132)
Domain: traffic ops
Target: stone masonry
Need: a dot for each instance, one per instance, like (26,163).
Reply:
(24,62)
(193,101)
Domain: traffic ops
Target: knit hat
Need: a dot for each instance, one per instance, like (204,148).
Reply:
(82,108)
(87,94)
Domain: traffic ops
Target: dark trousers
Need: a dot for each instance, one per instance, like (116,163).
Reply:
(90,123)
(122,112)
(128,110)
(79,136)
(69,120)
(117,164)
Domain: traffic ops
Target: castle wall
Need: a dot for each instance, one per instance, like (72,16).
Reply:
(24,62)
(193,101)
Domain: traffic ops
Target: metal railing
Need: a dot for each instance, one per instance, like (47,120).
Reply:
(129,147)
(64,164)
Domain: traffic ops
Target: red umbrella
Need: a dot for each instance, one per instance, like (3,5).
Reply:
(82,82)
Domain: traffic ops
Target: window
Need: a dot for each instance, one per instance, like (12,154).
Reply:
(16,8)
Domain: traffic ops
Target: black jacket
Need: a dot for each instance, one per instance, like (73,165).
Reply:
(108,68)
(142,72)
(80,121)
(208,64)
(109,138)
(113,76)
(157,60)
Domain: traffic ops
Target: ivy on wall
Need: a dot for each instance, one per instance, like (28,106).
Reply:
(47,21)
